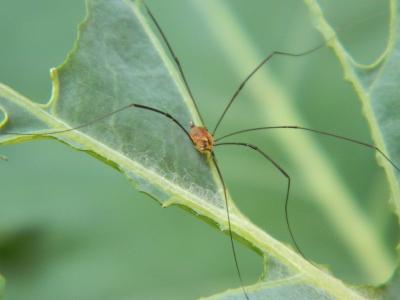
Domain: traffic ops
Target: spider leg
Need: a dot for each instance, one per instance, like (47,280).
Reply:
(229,225)
(320,132)
(284,173)
(254,71)
(107,115)
(175,58)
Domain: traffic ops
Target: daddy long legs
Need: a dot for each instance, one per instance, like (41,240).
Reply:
(203,140)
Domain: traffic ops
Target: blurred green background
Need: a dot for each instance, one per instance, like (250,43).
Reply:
(73,228)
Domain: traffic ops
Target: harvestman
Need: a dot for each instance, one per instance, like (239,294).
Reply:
(204,141)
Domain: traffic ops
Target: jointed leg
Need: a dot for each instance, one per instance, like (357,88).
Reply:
(107,115)
(175,58)
(284,173)
(229,225)
(324,133)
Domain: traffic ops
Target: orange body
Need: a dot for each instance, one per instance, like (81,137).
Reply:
(202,139)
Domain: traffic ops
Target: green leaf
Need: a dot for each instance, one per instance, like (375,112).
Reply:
(116,61)
(127,67)
(377,87)
(109,69)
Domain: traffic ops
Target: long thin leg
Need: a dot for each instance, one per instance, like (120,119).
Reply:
(284,173)
(107,115)
(325,133)
(262,63)
(175,58)
(265,60)
(229,225)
